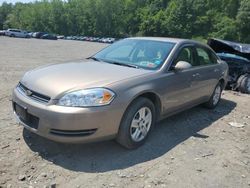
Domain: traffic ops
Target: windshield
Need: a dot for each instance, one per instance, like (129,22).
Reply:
(146,54)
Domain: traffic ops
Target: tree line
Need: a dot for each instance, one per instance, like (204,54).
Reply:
(199,19)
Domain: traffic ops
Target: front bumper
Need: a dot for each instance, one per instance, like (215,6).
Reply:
(69,124)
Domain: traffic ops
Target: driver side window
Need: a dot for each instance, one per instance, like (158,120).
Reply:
(186,54)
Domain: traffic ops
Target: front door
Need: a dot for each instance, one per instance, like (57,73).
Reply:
(179,89)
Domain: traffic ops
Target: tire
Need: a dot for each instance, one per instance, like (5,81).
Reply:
(12,35)
(215,98)
(244,83)
(135,128)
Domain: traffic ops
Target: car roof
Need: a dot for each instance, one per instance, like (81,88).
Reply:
(167,39)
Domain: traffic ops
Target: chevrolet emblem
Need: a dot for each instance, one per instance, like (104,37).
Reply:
(28,92)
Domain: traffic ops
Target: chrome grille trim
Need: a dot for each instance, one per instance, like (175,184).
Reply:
(33,95)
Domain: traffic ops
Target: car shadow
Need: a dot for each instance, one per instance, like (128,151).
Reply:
(108,155)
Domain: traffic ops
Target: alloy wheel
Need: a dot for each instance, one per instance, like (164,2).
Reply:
(217,94)
(141,124)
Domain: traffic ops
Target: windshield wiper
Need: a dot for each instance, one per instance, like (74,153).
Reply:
(94,58)
(114,62)
(124,64)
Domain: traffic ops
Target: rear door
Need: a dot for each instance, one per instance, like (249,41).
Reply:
(208,69)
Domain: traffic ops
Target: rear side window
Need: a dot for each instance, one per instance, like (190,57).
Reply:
(205,57)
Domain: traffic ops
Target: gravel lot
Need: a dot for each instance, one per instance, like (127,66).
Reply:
(196,148)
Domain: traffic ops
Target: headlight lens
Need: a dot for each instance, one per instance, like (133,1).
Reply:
(87,98)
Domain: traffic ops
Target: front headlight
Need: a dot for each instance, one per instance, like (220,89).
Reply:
(87,98)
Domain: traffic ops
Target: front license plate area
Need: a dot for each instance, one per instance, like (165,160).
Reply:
(21,112)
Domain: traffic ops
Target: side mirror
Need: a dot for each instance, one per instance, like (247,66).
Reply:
(182,65)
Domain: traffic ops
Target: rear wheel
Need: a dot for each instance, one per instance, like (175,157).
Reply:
(137,123)
(215,98)
(244,83)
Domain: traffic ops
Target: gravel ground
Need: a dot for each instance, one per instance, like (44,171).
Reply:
(196,148)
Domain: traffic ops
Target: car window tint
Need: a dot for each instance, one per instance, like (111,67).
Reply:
(204,57)
(186,54)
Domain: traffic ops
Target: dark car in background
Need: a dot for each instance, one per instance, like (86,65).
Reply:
(239,69)
(237,56)
(49,37)
(38,35)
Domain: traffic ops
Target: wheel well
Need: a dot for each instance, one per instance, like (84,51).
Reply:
(156,101)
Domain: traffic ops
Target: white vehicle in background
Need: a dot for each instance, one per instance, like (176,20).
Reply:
(60,37)
(17,33)
(110,40)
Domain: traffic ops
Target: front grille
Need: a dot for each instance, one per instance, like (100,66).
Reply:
(73,132)
(32,94)
(30,120)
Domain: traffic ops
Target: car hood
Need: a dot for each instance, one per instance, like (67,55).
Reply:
(223,46)
(54,80)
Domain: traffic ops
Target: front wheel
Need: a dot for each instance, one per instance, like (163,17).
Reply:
(215,98)
(137,123)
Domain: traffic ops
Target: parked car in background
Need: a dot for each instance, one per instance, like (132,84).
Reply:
(239,72)
(237,56)
(30,34)
(33,35)
(121,92)
(68,38)
(38,35)
(60,37)
(100,39)
(110,40)
(2,32)
(49,37)
(104,40)
(17,33)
